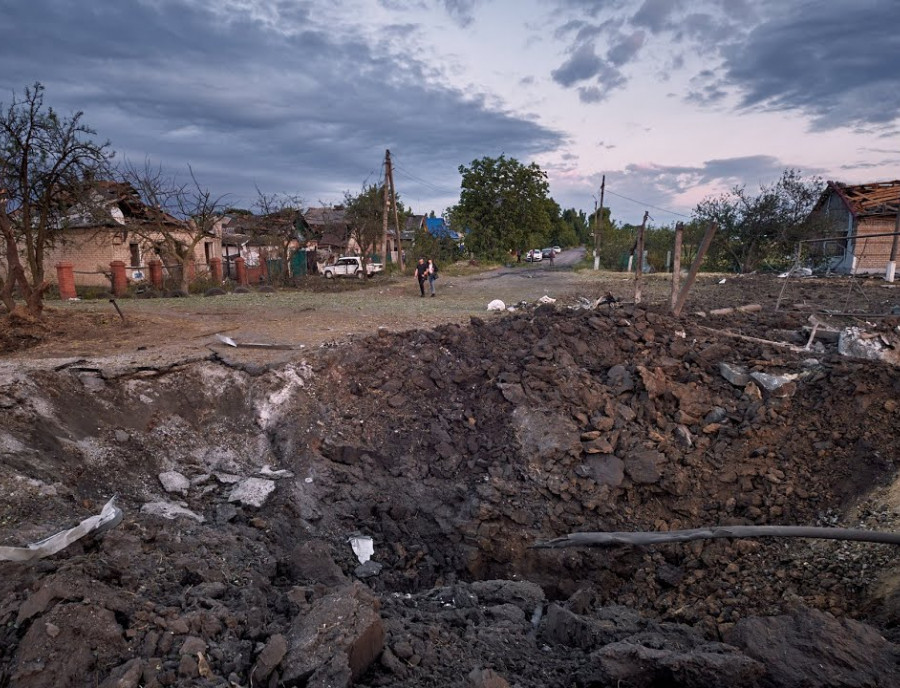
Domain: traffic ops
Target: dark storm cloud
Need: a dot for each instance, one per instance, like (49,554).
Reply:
(273,100)
(833,63)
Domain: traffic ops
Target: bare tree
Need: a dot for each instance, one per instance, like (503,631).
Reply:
(198,214)
(365,214)
(280,217)
(47,164)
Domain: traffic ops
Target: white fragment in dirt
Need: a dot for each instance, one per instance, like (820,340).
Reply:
(252,491)
(273,473)
(173,481)
(363,547)
(308,481)
(546,299)
(109,517)
(291,378)
(797,272)
(722,281)
(496,305)
(170,510)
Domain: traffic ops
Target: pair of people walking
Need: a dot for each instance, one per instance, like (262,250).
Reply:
(426,272)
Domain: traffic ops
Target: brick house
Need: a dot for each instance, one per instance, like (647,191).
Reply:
(856,213)
(120,227)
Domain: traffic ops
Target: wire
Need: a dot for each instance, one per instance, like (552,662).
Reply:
(647,205)
(410,175)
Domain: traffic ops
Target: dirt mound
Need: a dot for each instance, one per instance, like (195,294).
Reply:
(456,450)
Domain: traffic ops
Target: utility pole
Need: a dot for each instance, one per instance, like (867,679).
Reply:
(597,221)
(390,177)
(387,208)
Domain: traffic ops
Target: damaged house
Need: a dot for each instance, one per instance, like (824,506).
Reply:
(118,226)
(271,245)
(863,216)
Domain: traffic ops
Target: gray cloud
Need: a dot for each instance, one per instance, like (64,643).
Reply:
(582,65)
(837,66)
(276,101)
(655,14)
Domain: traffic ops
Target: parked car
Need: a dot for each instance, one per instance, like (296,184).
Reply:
(557,250)
(534,255)
(547,253)
(351,266)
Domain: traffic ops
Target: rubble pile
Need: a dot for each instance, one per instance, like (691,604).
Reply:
(246,493)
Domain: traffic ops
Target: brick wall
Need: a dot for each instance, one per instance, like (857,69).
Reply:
(872,254)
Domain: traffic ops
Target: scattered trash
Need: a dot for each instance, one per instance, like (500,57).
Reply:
(722,281)
(496,305)
(362,547)
(854,343)
(546,299)
(109,517)
(797,272)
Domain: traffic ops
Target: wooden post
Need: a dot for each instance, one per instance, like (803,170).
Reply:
(389,175)
(387,208)
(640,259)
(676,265)
(892,263)
(695,268)
(597,224)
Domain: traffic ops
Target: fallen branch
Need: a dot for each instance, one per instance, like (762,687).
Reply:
(659,538)
(757,340)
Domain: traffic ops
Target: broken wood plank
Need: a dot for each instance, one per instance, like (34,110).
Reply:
(717,532)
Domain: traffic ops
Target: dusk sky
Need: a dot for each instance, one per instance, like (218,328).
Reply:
(673,100)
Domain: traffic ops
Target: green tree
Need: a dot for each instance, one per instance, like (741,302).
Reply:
(759,230)
(503,206)
(365,215)
(47,163)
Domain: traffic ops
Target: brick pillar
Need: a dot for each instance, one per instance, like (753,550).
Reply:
(119,281)
(240,271)
(156,278)
(65,276)
(215,269)
(191,271)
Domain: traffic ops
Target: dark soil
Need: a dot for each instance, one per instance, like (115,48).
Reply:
(457,449)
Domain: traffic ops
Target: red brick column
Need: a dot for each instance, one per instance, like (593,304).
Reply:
(240,271)
(119,281)
(215,269)
(156,278)
(65,275)
(191,271)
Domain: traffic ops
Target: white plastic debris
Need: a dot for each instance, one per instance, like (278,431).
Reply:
(363,547)
(546,299)
(109,517)
(496,305)
(267,470)
(722,281)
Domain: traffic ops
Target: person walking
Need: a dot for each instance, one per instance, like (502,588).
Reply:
(421,275)
(432,274)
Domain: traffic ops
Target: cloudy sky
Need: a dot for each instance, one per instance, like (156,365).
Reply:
(673,100)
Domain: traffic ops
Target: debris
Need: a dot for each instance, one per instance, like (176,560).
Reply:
(735,374)
(749,308)
(275,473)
(546,299)
(496,305)
(362,547)
(854,343)
(252,491)
(170,511)
(173,481)
(109,517)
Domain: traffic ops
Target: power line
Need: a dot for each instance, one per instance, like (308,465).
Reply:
(647,205)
